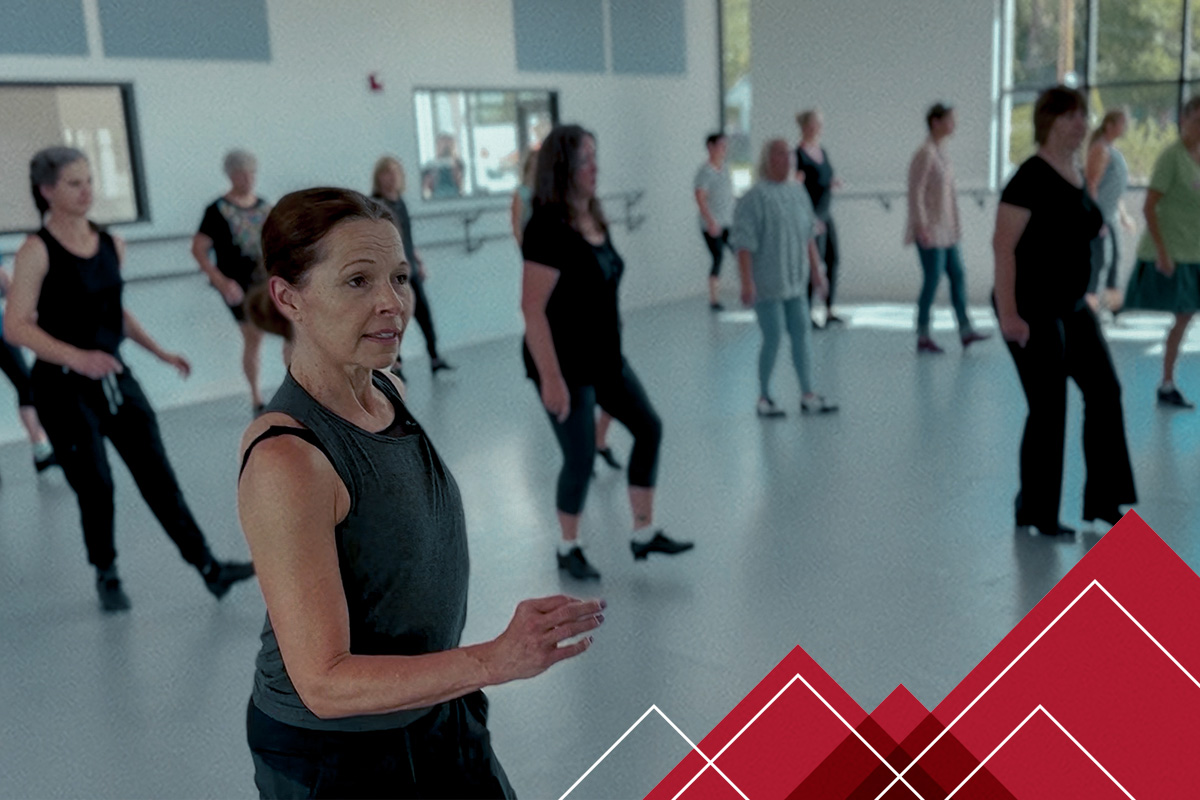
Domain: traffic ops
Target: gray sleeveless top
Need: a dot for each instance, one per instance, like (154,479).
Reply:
(1112,184)
(402,550)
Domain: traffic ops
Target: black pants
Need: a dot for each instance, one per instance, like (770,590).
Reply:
(445,754)
(1106,257)
(827,248)
(625,400)
(1060,348)
(422,315)
(12,364)
(717,246)
(78,414)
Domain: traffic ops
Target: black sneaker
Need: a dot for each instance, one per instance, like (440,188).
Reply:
(606,453)
(1172,397)
(219,576)
(1054,529)
(716,306)
(661,543)
(112,596)
(577,566)
(439,364)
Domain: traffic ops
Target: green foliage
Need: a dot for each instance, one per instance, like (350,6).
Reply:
(735,36)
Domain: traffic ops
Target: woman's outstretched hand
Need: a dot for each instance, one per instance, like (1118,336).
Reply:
(532,642)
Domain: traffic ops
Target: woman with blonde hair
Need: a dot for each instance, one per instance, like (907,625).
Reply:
(816,172)
(387,186)
(1107,178)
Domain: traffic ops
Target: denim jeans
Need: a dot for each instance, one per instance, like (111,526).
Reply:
(933,261)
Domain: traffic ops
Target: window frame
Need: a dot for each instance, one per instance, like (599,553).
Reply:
(1086,84)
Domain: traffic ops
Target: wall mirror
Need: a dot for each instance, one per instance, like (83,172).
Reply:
(471,141)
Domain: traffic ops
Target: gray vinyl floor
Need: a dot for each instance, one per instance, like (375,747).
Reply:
(879,539)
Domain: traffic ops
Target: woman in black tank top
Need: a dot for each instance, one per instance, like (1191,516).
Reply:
(361,688)
(67,308)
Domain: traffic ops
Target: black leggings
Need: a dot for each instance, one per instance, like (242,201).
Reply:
(422,315)
(717,246)
(79,414)
(827,248)
(446,753)
(12,363)
(1060,348)
(625,401)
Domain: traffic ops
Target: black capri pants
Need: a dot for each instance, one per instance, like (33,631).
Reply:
(12,363)
(625,400)
(445,754)
(717,246)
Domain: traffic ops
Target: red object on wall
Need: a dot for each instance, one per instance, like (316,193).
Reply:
(373,82)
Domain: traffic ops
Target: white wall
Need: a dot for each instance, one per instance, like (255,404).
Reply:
(310,118)
(874,68)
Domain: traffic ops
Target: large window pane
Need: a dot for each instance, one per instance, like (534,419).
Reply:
(1020,130)
(1152,112)
(735,76)
(1138,40)
(1049,41)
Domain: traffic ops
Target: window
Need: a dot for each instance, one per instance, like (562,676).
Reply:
(472,143)
(735,89)
(1133,54)
(95,118)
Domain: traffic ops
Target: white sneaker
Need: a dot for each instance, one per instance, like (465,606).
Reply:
(767,408)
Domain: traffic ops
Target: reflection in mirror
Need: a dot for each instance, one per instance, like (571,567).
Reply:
(471,143)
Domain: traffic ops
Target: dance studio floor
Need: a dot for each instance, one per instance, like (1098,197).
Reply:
(879,539)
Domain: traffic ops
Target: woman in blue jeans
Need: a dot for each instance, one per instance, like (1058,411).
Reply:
(934,226)
(773,234)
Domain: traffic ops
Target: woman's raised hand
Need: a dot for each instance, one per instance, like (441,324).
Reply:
(532,642)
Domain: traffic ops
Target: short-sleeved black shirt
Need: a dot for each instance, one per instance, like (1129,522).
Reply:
(583,311)
(236,234)
(818,180)
(1054,252)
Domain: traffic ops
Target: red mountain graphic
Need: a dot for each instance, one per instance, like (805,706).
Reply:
(1093,695)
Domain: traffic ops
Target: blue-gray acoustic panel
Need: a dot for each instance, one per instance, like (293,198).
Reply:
(648,38)
(559,35)
(216,30)
(43,28)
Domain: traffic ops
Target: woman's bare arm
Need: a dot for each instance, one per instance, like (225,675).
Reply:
(289,501)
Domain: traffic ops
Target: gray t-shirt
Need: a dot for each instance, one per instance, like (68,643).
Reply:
(775,221)
(719,186)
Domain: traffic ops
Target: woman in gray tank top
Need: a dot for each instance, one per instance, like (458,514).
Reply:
(361,688)
(1107,178)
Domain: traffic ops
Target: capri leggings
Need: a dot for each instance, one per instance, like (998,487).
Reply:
(625,400)
(12,363)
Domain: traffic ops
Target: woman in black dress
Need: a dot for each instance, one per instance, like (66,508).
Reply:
(1045,225)
(66,307)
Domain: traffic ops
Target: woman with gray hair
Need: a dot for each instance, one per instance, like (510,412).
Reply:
(65,305)
(774,231)
(231,230)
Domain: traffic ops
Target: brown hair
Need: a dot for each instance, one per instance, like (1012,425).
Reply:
(1052,104)
(806,116)
(291,244)
(557,163)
